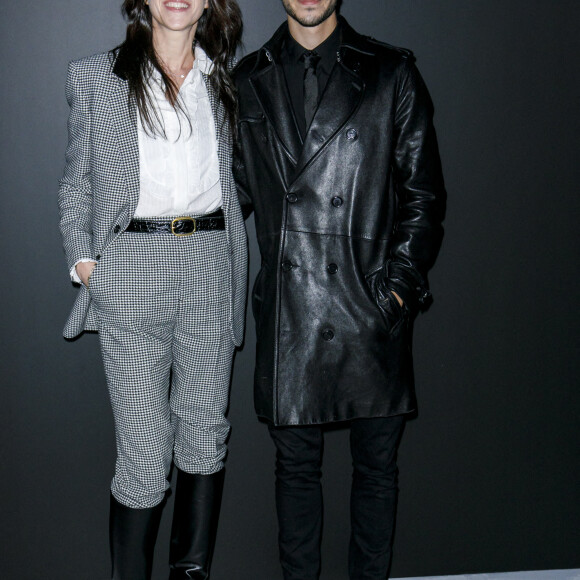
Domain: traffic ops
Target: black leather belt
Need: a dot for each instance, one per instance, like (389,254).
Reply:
(180,226)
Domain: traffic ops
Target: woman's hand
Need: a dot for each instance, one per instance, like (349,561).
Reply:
(84,271)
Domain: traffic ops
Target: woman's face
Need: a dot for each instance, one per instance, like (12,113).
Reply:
(176,15)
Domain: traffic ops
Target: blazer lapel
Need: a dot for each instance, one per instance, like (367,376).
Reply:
(342,95)
(124,122)
(224,141)
(217,107)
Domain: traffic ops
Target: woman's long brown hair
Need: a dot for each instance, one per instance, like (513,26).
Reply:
(218,33)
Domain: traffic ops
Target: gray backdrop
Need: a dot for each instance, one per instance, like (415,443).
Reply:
(489,469)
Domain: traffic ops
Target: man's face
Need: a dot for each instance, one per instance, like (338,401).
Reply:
(309,12)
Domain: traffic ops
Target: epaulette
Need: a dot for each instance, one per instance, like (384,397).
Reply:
(405,52)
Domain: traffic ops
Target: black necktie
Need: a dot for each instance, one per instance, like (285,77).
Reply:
(310,59)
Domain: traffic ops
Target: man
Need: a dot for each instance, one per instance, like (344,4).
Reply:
(338,158)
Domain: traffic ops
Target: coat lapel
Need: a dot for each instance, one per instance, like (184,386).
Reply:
(271,91)
(344,91)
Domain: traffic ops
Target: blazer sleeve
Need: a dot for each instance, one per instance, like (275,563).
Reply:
(420,190)
(75,197)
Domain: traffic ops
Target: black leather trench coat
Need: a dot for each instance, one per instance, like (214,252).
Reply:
(342,218)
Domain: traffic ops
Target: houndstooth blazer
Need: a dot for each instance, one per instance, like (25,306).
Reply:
(99,189)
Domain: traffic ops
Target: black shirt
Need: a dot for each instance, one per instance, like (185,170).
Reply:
(293,69)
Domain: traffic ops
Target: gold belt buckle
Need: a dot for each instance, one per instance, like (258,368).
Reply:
(185,218)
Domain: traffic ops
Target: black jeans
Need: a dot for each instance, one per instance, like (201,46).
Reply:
(373,503)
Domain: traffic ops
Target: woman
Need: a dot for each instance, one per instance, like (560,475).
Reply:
(154,234)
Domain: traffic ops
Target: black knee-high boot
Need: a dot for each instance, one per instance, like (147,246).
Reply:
(195,519)
(132,535)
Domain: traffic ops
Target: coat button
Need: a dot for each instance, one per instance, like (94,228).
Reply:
(337,201)
(292,198)
(332,268)
(287,265)
(327,334)
(98,257)
(352,135)
(117,229)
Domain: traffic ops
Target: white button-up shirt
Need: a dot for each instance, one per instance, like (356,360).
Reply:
(180,174)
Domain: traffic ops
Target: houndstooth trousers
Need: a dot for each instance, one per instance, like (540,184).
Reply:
(163,310)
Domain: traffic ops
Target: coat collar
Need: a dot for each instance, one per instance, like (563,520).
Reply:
(343,93)
(350,41)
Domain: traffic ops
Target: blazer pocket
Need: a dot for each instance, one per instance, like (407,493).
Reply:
(102,263)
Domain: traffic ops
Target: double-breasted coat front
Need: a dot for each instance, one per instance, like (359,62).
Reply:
(342,218)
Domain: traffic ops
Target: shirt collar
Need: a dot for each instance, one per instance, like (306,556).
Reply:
(202,62)
(327,50)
